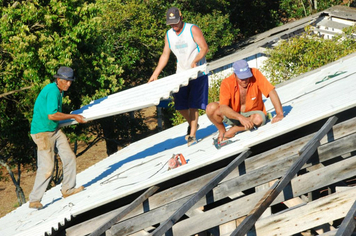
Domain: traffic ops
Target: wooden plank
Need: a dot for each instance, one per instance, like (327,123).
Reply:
(330,233)
(242,206)
(348,225)
(323,228)
(124,212)
(227,227)
(199,211)
(165,226)
(140,233)
(318,212)
(294,202)
(277,188)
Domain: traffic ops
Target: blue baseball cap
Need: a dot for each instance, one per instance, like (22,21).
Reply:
(242,69)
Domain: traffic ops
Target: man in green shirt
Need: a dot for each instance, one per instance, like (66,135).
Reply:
(45,133)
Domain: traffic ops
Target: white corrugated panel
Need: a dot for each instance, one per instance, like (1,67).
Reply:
(143,163)
(136,98)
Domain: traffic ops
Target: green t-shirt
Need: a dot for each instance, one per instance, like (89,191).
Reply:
(48,102)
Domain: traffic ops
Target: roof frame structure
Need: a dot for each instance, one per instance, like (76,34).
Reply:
(305,153)
(258,169)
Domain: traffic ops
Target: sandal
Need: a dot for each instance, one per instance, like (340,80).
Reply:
(188,132)
(191,140)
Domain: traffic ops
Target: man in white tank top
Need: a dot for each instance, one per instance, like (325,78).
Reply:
(188,44)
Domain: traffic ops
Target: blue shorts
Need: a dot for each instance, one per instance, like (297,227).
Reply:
(195,95)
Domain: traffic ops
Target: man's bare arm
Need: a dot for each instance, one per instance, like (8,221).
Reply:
(203,46)
(62,116)
(231,114)
(163,60)
(277,106)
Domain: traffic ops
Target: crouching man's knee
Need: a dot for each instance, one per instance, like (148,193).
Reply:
(211,108)
(258,120)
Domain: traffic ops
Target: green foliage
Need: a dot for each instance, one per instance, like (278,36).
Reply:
(37,37)
(305,53)
(134,33)
(136,30)
(214,21)
(214,87)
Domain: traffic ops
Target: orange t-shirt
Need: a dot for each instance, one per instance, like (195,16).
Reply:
(258,85)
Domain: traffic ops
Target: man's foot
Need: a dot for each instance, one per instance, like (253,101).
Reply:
(222,138)
(36,205)
(188,132)
(191,140)
(74,191)
(223,141)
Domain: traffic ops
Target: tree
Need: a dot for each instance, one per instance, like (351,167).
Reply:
(307,52)
(36,38)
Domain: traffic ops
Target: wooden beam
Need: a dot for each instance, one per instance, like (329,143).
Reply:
(348,225)
(165,226)
(277,188)
(125,211)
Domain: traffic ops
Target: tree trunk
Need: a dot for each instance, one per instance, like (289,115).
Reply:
(107,124)
(19,192)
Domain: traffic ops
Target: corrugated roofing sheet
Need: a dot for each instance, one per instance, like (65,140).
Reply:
(136,98)
(317,95)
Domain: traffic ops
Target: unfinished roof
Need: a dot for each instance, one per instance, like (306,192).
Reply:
(141,168)
(321,94)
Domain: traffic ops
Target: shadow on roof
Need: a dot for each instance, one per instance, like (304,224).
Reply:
(151,151)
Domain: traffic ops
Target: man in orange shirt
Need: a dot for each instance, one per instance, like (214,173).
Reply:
(241,104)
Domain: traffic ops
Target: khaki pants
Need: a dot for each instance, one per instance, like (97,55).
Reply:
(46,142)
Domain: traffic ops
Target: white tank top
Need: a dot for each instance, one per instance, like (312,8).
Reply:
(184,47)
